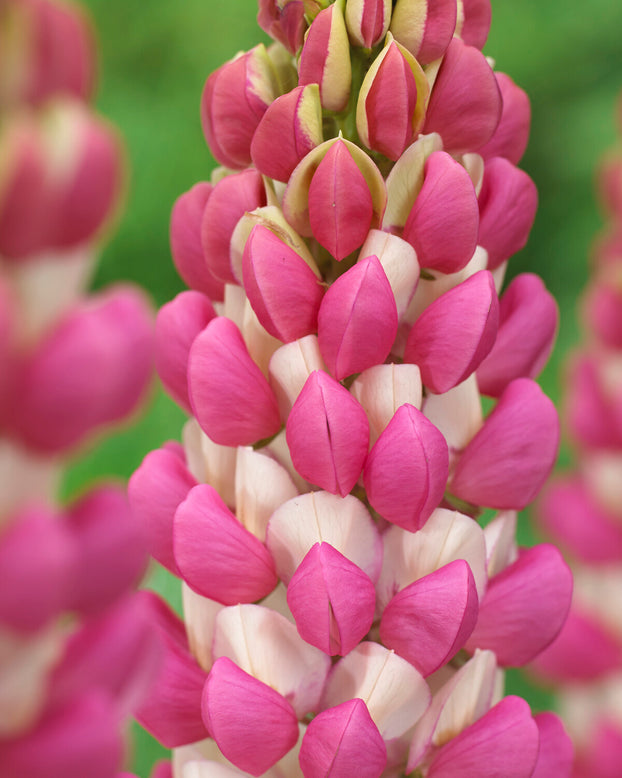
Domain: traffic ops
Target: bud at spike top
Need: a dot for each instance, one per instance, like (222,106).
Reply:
(338,428)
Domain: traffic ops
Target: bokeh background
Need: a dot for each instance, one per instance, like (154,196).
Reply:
(154,58)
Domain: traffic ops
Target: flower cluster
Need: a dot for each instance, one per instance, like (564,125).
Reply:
(77,647)
(582,509)
(345,612)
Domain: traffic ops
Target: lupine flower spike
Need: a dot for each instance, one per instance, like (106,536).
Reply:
(582,509)
(78,648)
(344,611)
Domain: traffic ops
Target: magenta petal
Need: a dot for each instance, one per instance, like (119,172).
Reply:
(510,138)
(340,203)
(443,223)
(111,549)
(455,332)
(507,207)
(78,739)
(556,752)
(216,555)
(155,490)
(528,319)
(357,322)
(590,412)
(171,712)
(332,600)
(430,620)
(465,105)
(230,199)
(253,725)
(177,325)
(162,769)
(476,24)
(229,394)
(525,606)
(341,742)
(506,463)
(406,470)
(37,560)
(185,237)
(281,287)
(602,309)
(327,434)
(504,742)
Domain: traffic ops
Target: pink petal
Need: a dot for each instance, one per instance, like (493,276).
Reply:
(230,199)
(78,739)
(320,517)
(283,290)
(162,770)
(328,434)
(602,311)
(216,556)
(443,223)
(425,28)
(506,463)
(511,136)
(399,262)
(253,725)
(229,395)
(38,558)
(406,471)
(341,742)
(234,99)
(171,711)
(155,490)
(325,58)
(525,606)
(504,742)
(528,319)
(454,333)
(507,207)
(579,524)
(332,600)
(285,22)
(185,237)
(296,119)
(357,321)
(395,693)
(590,410)
(476,23)
(465,105)
(341,209)
(556,752)
(430,620)
(290,366)
(111,549)
(367,21)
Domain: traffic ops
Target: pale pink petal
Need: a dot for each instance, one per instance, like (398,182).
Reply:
(177,325)
(200,620)
(230,397)
(328,434)
(399,262)
(506,463)
(332,600)
(443,223)
(507,207)
(525,606)
(504,742)
(253,725)
(281,287)
(406,470)
(454,334)
(343,741)
(357,320)
(430,620)
(501,548)
(456,413)
(319,517)
(290,366)
(556,752)
(394,692)
(268,646)
(465,105)
(155,490)
(216,556)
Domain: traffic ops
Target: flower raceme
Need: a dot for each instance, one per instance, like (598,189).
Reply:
(344,611)
(78,648)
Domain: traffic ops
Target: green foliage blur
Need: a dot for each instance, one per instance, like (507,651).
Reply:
(154,58)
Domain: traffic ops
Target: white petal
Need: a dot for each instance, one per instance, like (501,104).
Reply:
(200,619)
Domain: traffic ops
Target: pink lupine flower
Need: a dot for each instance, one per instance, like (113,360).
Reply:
(341,615)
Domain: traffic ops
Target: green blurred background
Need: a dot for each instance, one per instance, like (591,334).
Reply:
(154,58)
